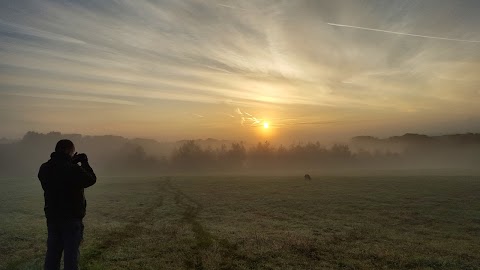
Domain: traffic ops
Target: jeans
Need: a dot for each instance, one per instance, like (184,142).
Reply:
(64,235)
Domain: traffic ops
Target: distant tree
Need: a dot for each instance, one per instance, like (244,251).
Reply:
(236,155)
(340,155)
(261,156)
(190,156)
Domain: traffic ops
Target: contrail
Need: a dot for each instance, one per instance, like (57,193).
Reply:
(401,33)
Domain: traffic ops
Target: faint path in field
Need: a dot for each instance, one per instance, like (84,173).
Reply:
(204,240)
(204,244)
(133,229)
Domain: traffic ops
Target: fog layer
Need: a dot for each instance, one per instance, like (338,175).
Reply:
(116,155)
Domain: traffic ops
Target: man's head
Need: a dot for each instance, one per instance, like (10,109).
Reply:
(65,146)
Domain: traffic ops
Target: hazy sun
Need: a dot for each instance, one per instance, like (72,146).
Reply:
(265,125)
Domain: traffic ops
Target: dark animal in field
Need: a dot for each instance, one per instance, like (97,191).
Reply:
(307,177)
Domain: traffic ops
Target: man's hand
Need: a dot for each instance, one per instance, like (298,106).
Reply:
(80,158)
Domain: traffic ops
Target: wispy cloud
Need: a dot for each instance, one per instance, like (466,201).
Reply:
(282,58)
(12,28)
(248,118)
(198,115)
(74,98)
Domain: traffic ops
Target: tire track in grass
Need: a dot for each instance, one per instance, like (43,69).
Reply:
(203,238)
(115,238)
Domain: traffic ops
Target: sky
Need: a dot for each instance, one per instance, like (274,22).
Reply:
(170,70)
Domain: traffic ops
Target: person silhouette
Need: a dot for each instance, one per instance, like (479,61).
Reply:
(63,182)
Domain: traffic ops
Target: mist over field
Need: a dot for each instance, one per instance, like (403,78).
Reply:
(120,156)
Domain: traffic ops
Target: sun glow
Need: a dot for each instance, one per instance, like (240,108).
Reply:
(265,125)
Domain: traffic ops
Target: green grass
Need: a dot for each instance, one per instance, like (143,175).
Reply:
(227,222)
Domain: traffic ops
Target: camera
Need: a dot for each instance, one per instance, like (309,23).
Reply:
(82,157)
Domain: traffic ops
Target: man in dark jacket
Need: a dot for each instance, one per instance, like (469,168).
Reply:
(63,182)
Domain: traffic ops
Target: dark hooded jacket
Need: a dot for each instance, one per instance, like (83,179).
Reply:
(63,183)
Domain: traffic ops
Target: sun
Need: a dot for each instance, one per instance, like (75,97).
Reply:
(265,125)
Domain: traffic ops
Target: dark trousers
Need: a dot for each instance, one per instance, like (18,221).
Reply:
(64,235)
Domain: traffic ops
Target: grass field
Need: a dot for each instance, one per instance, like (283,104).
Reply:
(424,222)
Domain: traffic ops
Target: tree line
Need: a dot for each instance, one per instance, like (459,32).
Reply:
(116,155)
